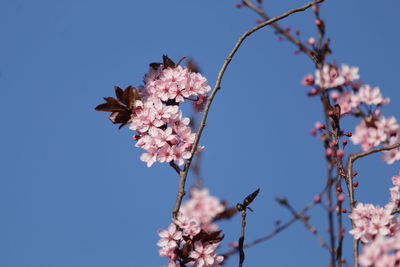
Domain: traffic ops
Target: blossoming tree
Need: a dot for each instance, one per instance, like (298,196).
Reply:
(155,111)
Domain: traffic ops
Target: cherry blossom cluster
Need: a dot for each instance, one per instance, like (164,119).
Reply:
(157,118)
(371,221)
(360,100)
(379,228)
(203,207)
(383,252)
(189,238)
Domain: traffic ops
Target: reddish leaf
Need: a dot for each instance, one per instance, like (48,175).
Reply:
(168,63)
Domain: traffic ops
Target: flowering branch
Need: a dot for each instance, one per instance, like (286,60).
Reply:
(282,31)
(183,174)
(349,182)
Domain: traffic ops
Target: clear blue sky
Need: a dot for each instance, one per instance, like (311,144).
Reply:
(73,192)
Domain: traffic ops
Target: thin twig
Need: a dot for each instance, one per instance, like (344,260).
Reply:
(305,219)
(241,239)
(271,234)
(279,29)
(349,182)
(183,174)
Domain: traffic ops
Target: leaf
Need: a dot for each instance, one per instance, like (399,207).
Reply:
(120,108)
(111,105)
(168,63)
(250,197)
(155,65)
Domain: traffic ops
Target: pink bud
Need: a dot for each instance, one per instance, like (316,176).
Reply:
(334,96)
(355,184)
(344,210)
(377,112)
(317,199)
(287,29)
(340,153)
(348,134)
(313,132)
(238,5)
(329,152)
(319,126)
(136,137)
(344,142)
(318,22)
(340,198)
(258,21)
(311,41)
(339,189)
(354,173)
(330,113)
(314,91)
(280,39)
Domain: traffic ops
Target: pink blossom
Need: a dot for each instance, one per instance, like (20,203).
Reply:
(331,77)
(161,128)
(202,207)
(204,255)
(392,155)
(349,74)
(169,237)
(190,226)
(370,221)
(370,96)
(347,100)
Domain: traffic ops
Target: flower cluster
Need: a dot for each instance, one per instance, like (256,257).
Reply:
(190,239)
(161,128)
(379,228)
(360,100)
(202,207)
(371,221)
(383,252)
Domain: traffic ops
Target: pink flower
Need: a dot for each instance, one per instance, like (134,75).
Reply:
(170,237)
(349,74)
(330,78)
(180,153)
(202,207)
(347,100)
(370,96)
(190,226)
(205,255)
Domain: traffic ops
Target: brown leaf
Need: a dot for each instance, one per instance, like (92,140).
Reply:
(250,197)
(168,63)
(155,65)
(122,108)
(212,237)
(111,105)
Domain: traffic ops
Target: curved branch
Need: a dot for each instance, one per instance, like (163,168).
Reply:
(183,174)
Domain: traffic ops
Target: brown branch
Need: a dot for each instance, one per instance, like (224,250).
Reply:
(271,234)
(279,29)
(183,174)
(305,219)
(349,182)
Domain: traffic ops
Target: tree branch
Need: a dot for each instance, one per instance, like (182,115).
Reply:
(217,86)
(349,182)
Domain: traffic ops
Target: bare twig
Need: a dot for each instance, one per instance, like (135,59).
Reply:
(271,234)
(183,174)
(279,29)
(349,182)
(305,219)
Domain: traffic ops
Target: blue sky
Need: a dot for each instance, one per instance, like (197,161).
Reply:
(73,191)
